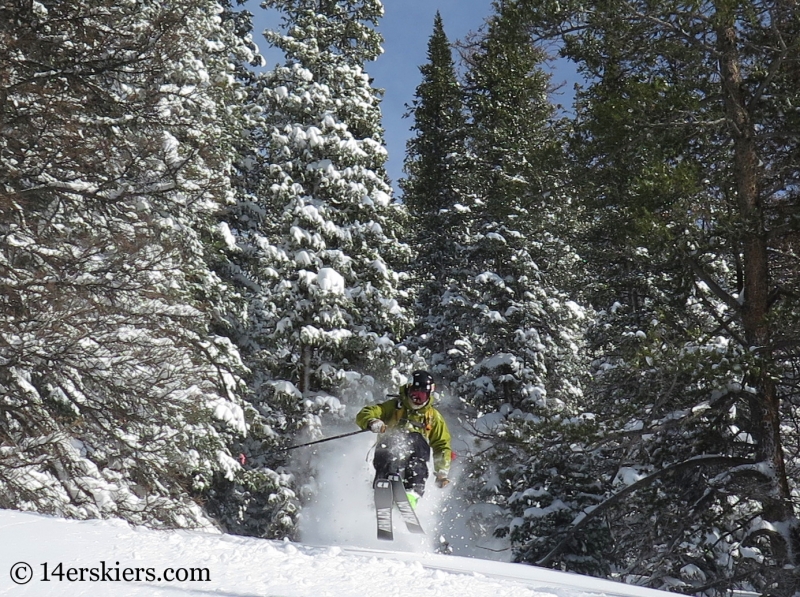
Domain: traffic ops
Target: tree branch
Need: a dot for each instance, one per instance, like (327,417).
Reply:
(713,286)
(617,497)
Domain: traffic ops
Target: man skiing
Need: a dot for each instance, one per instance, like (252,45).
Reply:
(412,429)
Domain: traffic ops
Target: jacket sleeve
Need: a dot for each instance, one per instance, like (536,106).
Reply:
(382,411)
(440,444)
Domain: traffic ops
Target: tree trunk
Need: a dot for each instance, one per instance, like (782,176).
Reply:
(305,369)
(764,404)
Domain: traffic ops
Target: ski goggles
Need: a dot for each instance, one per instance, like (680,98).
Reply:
(418,397)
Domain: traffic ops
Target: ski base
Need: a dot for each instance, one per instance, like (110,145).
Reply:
(389,492)
(406,510)
(383,509)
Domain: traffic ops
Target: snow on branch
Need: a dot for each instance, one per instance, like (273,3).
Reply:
(585,517)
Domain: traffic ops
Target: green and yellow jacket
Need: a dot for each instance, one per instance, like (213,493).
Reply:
(397,414)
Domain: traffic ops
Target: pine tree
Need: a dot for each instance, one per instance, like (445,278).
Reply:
(318,232)
(433,153)
(518,314)
(521,331)
(687,161)
(116,398)
(435,167)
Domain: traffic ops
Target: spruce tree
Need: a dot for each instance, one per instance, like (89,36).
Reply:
(434,155)
(513,179)
(117,400)
(522,331)
(318,232)
(432,191)
(687,160)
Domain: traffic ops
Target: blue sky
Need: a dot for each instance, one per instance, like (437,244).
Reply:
(406,27)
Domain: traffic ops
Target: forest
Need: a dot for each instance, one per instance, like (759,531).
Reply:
(203,261)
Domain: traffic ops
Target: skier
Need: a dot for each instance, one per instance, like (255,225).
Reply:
(413,427)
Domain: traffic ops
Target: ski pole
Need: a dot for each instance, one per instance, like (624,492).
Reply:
(319,441)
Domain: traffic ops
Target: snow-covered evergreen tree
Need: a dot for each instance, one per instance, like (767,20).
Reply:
(522,326)
(519,350)
(317,230)
(435,168)
(320,234)
(116,399)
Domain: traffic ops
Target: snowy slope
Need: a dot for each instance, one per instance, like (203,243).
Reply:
(245,567)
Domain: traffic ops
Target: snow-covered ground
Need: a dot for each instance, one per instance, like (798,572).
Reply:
(339,554)
(100,558)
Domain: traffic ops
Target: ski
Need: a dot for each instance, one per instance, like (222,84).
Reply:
(383,508)
(406,511)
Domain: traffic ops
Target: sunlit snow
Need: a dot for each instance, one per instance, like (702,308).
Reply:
(330,280)
(88,558)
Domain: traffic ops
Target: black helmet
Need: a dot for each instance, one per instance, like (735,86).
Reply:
(420,389)
(422,380)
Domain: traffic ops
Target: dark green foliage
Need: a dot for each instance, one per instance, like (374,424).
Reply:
(433,191)
(513,151)
(435,154)
(685,159)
